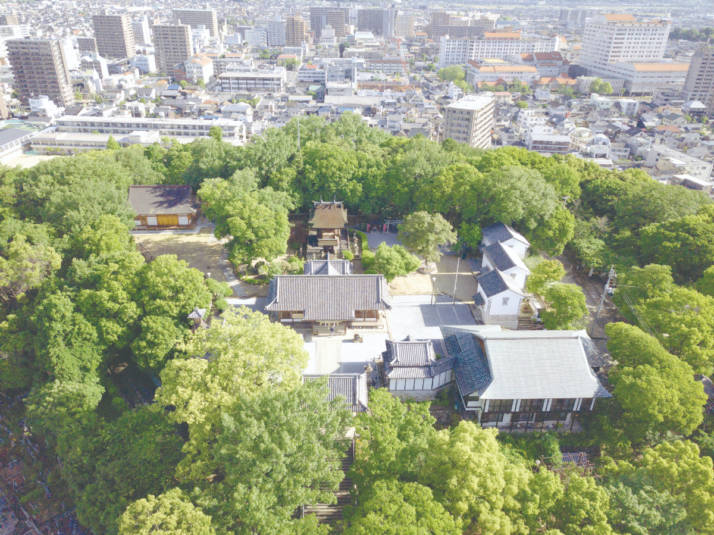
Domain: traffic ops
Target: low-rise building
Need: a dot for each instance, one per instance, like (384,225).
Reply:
(163,206)
(272,81)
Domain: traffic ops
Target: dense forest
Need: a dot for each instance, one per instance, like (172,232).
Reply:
(234,442)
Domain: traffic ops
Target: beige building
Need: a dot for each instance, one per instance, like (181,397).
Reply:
(39,68)
(295,31)
(114,35)
(172,44)
(197,18)
(699,84)
(321,17)
(470,120)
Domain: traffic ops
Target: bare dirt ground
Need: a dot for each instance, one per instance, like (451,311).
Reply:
(441,282)
(202,251)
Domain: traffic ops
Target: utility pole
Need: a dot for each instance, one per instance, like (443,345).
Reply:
(610,276)
(456,277)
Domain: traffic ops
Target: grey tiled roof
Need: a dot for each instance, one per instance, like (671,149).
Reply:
(408,359)
(499,257)
(162,199)
(350,386)
(328,267)
(522,364)
(499,232)
(471,368)
(492,283)
(328,298)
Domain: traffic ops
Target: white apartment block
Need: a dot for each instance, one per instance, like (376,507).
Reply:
(233,131)
(621,38)
(253,81)
(492,45)
(545,139)
(470,120)
(387,66)
(199,69)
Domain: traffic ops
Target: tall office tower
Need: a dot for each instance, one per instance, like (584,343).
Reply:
(172,44)
(620,38)
(9,19)
(198,17)
(377,21)
(276,33)
(87,45)
(114,35)
(39,68)
(295,31)
(404,25)
(470,120)
(699,84)
(142,31)
(328,16)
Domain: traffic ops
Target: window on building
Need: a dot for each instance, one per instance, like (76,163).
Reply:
(531,405)
(562,405)
(500,405)
(505,301)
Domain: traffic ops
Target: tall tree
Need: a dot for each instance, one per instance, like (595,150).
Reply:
(272,453)
(423,234)
(566,306)
(170,513)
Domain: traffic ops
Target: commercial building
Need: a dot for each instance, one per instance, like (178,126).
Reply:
(404,25)
(621,38)
(197,18)
(645,78)
(321,17)
(253,81)
(389,66)
(172,44)
(699,84)
(377,21)
(470,120)
(295,31)
(39,68)
(114,35)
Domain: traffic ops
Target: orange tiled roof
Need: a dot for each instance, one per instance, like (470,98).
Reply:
(619,17)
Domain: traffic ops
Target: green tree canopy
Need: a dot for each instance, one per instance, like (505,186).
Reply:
(566,307)
(423,233)
(393,261)
(170,513)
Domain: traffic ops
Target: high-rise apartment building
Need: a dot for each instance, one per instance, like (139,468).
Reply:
(39,68)
(699,84)
(439,18)
(172,44)
(142,31)
(295,30)
(404,25)
(621,38)
(198,17)
(320,17)
(114,35)
(276,34)
(377,21)
(470,120)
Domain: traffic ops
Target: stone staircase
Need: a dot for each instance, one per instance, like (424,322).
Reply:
(333,513)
